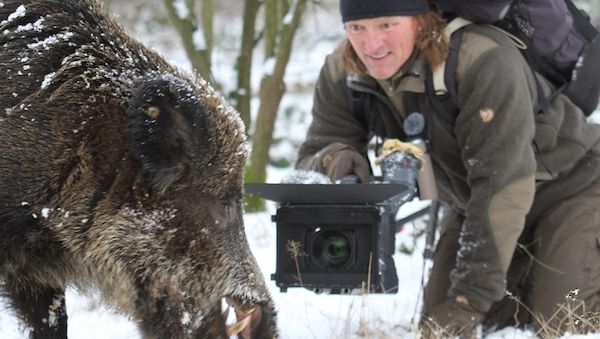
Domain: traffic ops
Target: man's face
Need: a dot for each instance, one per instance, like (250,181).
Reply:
(383,44)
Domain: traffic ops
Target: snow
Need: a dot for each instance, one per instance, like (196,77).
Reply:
(47,80)
(36,26)
(181,8)
(301,313)
(269,66)
(52,316)
(287,20)
(53,39)
(19,12)
(186,318)
(199,40)
(305,177)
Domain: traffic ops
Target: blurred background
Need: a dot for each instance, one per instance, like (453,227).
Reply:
(262,55)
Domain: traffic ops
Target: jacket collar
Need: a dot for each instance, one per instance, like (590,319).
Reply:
(410,77)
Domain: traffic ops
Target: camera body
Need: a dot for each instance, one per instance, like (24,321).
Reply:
(340,238)
(335,238)
(337,249)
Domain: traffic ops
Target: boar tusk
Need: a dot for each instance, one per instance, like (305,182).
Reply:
(238,327)
(246,313)
(243,323)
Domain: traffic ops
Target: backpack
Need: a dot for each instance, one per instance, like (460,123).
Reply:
(557,40)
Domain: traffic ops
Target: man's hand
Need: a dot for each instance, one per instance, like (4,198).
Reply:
(452,318)
(346,161)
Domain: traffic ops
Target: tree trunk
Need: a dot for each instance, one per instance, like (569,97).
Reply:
(271,91)
(186,25)
(274,10)
(243,93)
(208,13)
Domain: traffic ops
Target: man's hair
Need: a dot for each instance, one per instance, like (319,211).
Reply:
(430,45)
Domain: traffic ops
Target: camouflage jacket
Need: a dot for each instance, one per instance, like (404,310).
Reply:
(490,164)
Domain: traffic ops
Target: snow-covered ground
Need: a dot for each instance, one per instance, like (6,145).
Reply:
(301,313)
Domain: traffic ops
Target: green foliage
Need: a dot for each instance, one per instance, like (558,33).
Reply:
(253,203)
(281,163)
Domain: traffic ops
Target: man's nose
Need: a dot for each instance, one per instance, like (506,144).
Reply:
(373,40)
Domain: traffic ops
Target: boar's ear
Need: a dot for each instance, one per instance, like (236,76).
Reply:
(165,121)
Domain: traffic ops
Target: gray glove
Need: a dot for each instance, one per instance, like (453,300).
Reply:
(345,161)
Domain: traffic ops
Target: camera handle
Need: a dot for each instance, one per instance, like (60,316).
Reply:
(410,164)
(414,127)
(428,191)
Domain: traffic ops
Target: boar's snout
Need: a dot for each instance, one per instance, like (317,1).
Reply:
(194,164)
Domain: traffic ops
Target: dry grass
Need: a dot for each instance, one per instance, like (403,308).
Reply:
(431,330)
(571,317)
(360,322)
(295,250)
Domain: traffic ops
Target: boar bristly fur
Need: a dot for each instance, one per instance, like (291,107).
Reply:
(121,173)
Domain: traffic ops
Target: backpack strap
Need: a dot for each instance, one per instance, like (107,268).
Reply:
(363,99)
(360,107)
(440,85)
(442,89)
(443,81)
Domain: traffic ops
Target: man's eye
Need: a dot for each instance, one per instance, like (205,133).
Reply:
(387,26)
(354,28)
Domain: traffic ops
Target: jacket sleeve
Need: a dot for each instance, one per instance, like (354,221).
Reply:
(495,131)
(332,119)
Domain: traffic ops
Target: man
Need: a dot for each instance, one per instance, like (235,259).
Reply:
(522,188)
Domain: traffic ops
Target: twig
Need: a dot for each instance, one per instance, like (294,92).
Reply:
(524,248)
(294,247)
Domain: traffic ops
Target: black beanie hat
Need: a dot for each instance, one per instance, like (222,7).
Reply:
(364,9)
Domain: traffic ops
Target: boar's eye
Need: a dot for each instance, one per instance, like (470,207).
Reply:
(228,209)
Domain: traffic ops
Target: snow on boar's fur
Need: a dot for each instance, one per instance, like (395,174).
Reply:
(120,172)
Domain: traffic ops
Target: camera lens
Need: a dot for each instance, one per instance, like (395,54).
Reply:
(332,249)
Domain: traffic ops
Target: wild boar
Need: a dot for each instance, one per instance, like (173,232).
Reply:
(121,172)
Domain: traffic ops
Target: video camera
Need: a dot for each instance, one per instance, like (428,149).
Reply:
(340,238)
